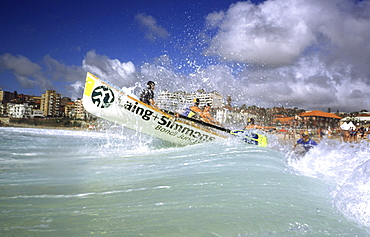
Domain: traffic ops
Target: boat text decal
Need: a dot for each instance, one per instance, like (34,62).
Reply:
(167,125)
(102,96)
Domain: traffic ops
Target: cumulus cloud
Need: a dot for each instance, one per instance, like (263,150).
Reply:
(278,32)
(68,75)
(309,54)
(69,80)
(44,75)
(271,33)
(152,30)
(28,73)
(118,73)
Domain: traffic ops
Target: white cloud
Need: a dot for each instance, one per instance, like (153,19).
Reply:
(118,73)
(19,64)
(53,76)
(65,75)
(68,80)
(271,33)
(309,54)
(279,32)
(28,73)
(152,30)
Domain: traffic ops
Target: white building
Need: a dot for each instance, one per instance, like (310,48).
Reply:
(177,101)
(3,109)
(37,114)
(359,120)
(19,110)
(233,117)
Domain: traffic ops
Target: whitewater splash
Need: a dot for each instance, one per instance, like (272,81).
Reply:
(115,179)
(346,169)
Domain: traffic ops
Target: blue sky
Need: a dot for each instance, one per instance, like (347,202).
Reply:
(291,53)
(66,30)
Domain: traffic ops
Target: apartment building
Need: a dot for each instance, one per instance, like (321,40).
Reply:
(177,101)
(70,110)
(50,103)
(75,110)
(230,116)
(80,110)
(221,108)
(19,110)
(6,96)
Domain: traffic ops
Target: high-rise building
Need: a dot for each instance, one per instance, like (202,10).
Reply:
(6,96)
(50,103)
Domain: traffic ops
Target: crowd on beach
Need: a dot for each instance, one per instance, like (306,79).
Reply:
(351,135)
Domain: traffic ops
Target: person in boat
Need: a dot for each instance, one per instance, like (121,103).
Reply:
(250,121)
(147,95)
(195,111)
(306,142)
(207,115)
(250,124)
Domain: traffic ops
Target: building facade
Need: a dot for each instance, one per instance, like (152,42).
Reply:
(319,119)
(80,110)
(361,119)
(233,117)
(6,96)
(50,103)
(19,110)
(177,101)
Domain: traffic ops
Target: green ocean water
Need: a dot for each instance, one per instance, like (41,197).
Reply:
(74,183)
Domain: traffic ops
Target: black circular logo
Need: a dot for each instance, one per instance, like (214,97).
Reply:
(102,97)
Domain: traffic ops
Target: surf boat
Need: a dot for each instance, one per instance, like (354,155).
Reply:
(111,103)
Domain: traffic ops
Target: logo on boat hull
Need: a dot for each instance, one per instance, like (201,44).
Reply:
(167,125)
(102,97)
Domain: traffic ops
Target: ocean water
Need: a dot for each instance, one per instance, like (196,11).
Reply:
(119,183)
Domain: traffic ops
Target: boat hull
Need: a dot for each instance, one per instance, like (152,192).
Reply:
(109,102)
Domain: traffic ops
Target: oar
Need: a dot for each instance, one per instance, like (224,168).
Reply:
(247,138)
(198,121)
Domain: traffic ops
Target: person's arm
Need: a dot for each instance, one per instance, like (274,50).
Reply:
(298,142)
(295,144)
(152,103)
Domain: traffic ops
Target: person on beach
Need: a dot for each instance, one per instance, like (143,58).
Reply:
(306,142)
(353,134)
(362,131)
(147,95)
(345,135)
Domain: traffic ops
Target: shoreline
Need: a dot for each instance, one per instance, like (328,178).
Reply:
(11,125)
(5,122)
